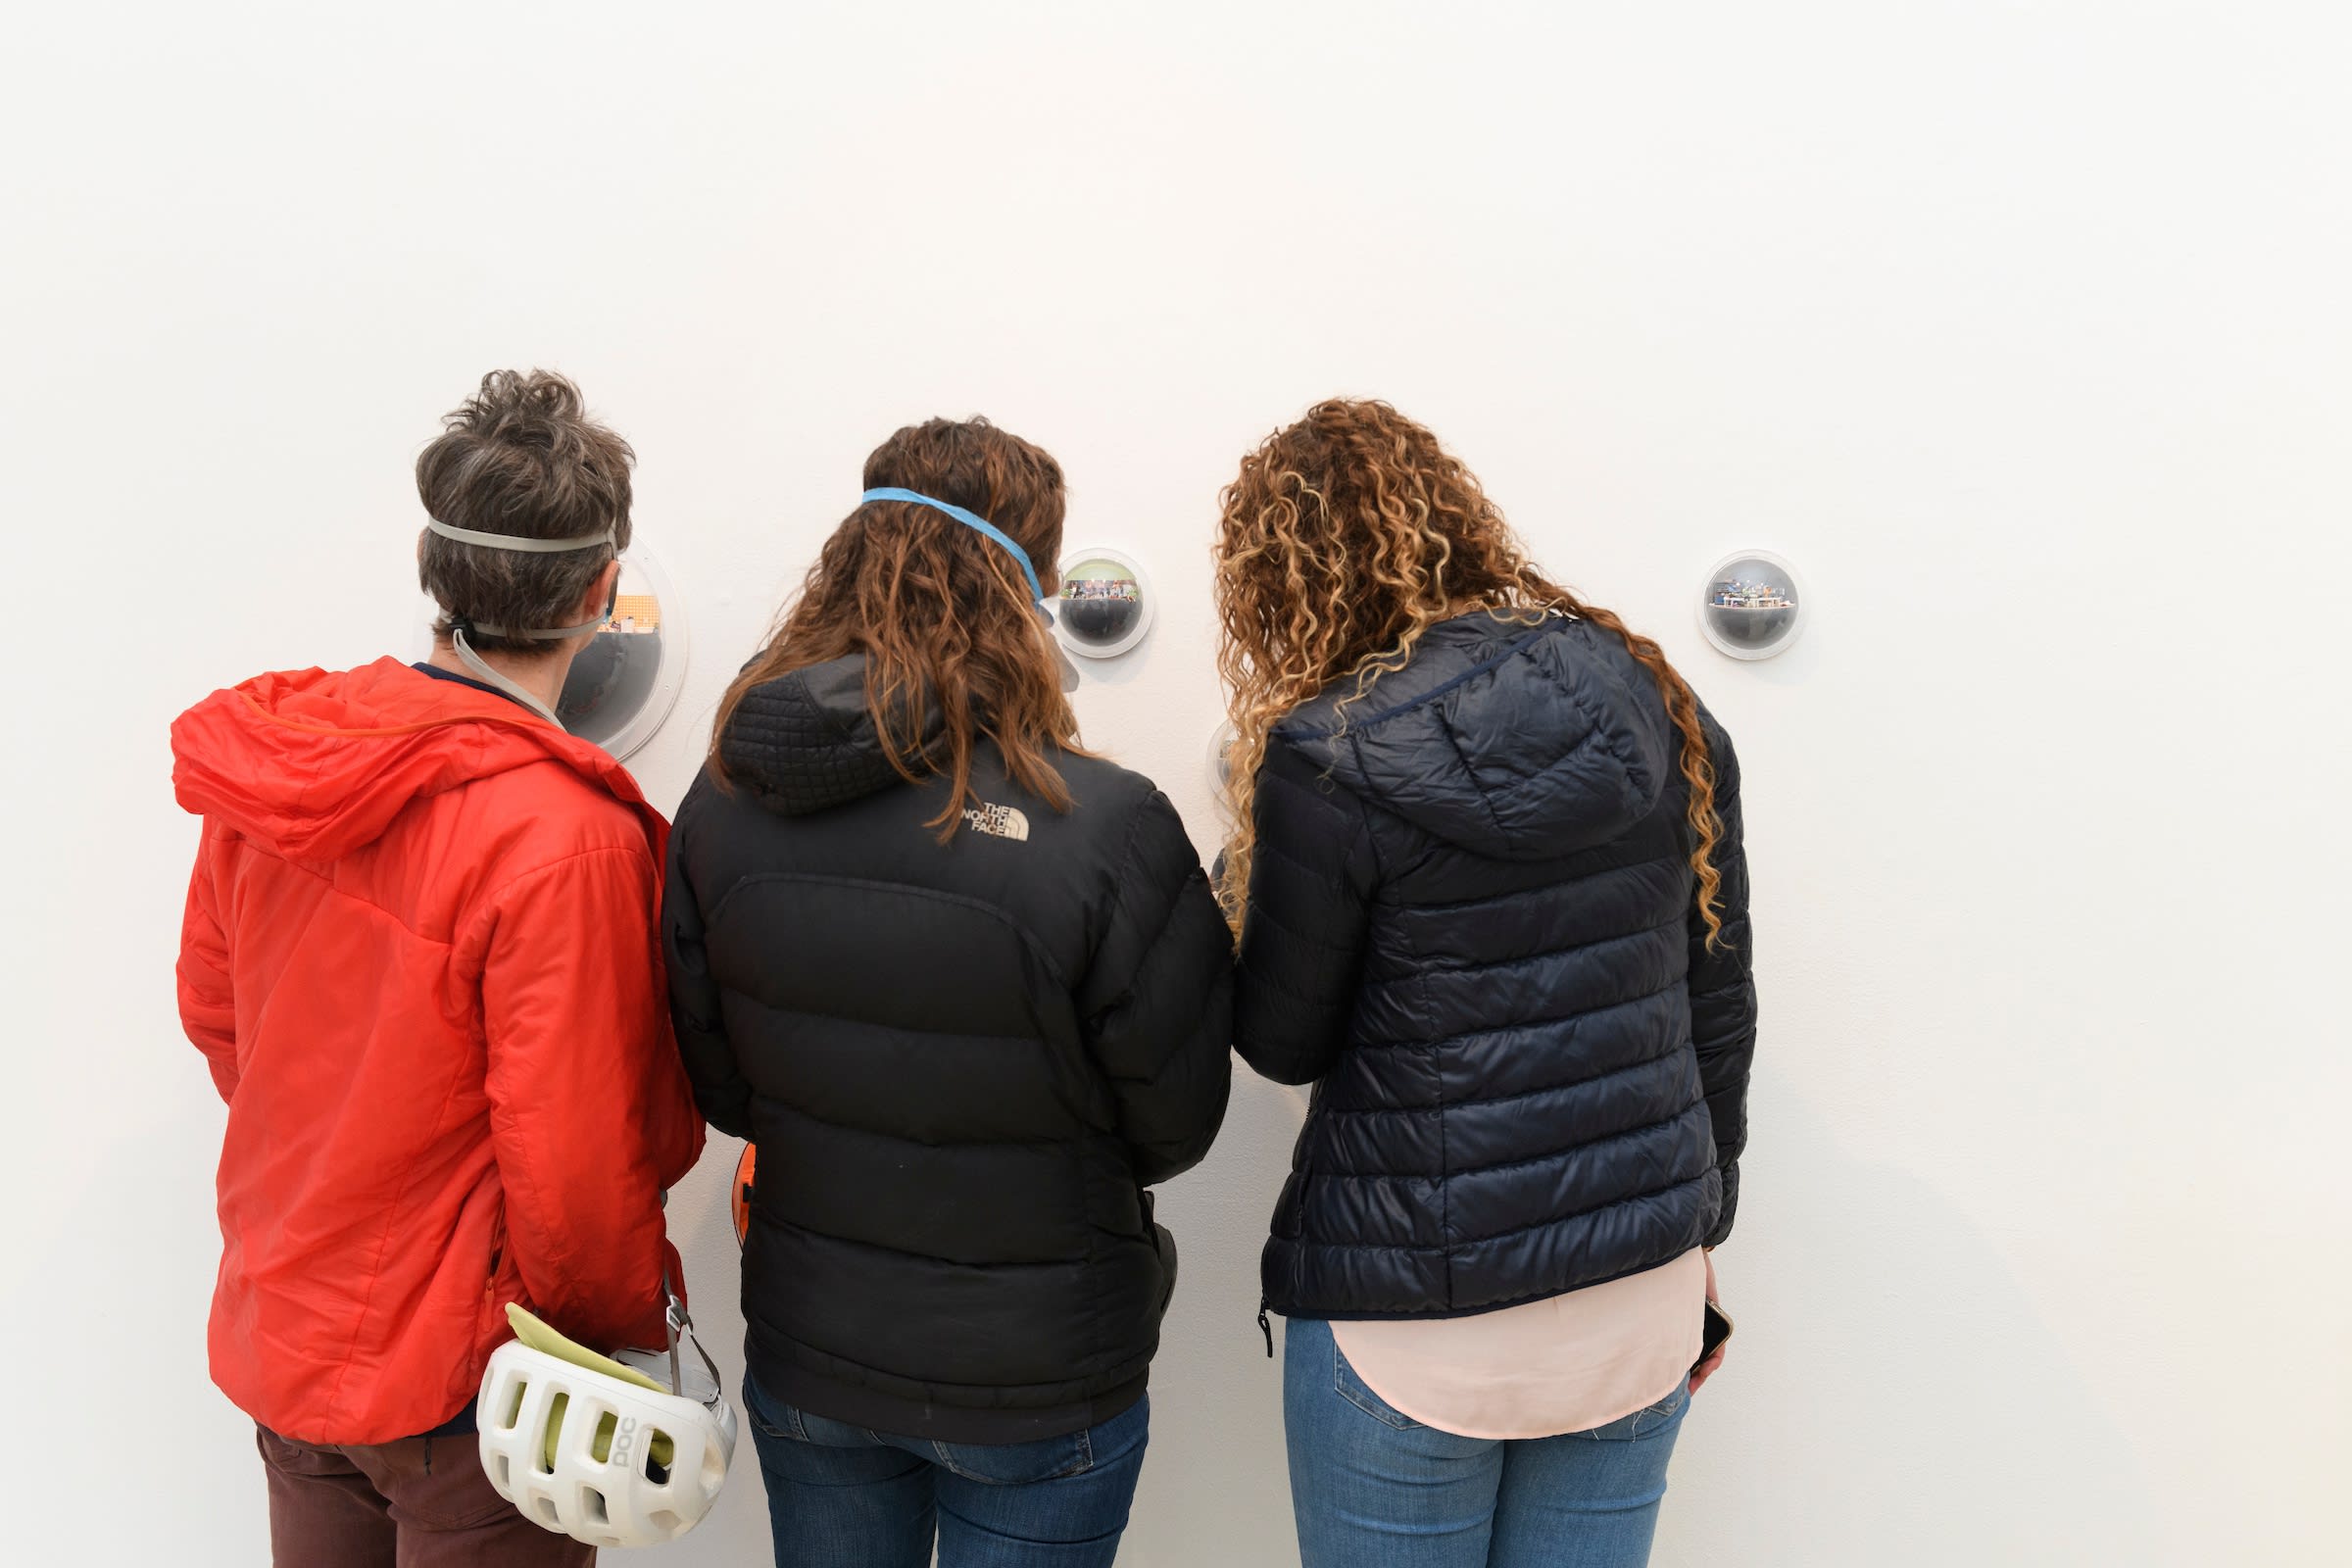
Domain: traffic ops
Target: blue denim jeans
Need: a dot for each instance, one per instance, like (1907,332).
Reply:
(841,1496)
(1373,1488)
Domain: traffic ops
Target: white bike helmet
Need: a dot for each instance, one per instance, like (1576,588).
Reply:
(596,1449)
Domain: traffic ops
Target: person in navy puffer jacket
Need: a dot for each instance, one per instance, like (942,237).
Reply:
(1493,904)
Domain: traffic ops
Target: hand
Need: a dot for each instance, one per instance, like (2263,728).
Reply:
(1713,1363)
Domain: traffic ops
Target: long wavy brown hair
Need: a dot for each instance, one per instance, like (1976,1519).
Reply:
(940,611)
(1345,538)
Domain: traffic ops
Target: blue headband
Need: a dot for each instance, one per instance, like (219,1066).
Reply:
(971,519)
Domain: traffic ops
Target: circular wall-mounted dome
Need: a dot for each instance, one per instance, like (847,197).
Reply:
(1752,605)
(1220,758)
(625,680)
(1105,603)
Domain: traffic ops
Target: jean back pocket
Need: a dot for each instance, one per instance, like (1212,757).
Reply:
(1356,1391)
(1018,1465)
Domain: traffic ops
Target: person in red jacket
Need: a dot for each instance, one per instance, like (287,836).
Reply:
(420,955)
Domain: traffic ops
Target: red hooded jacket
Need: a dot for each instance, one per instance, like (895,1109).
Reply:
(421,955)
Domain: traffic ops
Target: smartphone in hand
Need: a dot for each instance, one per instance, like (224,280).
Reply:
(1711,1337)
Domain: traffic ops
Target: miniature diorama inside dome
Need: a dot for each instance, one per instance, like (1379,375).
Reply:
(1751,607)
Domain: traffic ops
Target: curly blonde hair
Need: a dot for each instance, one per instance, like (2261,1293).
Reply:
(1346,537)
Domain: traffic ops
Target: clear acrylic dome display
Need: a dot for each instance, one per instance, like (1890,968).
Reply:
(1220,758)
(626,678)
(1751,607)
(1106,604)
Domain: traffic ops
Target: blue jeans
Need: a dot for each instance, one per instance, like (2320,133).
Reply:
(1375,1489)
(841,1496)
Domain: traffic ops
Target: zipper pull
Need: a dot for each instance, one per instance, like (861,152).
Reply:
(1265,1328)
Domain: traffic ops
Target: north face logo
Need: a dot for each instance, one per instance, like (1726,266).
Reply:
(998,821)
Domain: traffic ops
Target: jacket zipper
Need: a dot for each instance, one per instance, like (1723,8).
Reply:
(1265,1328)
(498,1260)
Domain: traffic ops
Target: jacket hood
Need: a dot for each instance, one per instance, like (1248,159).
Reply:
(805,742)
(1513,742)
(315,763)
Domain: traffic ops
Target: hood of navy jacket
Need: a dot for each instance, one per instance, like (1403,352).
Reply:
(1514,742)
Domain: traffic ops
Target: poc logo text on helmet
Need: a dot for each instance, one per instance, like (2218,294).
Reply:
(998,821)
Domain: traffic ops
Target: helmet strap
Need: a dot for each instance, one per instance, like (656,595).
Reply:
(680,1324)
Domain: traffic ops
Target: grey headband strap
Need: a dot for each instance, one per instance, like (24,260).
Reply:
(491,677)
(543,634)
(507,541)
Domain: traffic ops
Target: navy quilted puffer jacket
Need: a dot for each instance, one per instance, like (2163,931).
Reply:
(1472,928)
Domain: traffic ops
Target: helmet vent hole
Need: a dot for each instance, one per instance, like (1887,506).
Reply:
(514,1415)
(504,1468)
(655,1470)
(543,1454)
(545,1507)
(598,1512)
(665,1521)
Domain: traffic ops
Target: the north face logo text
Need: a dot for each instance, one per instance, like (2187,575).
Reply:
(998,821)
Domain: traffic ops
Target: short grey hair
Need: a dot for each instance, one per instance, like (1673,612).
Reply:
(519,457)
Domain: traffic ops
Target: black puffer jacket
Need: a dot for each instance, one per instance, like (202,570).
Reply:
(962,1064)
(1472,926)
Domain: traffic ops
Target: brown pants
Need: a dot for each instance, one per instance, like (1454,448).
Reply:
(422,1502)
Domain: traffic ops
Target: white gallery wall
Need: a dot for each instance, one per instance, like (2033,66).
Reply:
(2023,330)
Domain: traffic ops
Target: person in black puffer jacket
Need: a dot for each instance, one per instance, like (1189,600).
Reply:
(968,990)
(1494,905)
